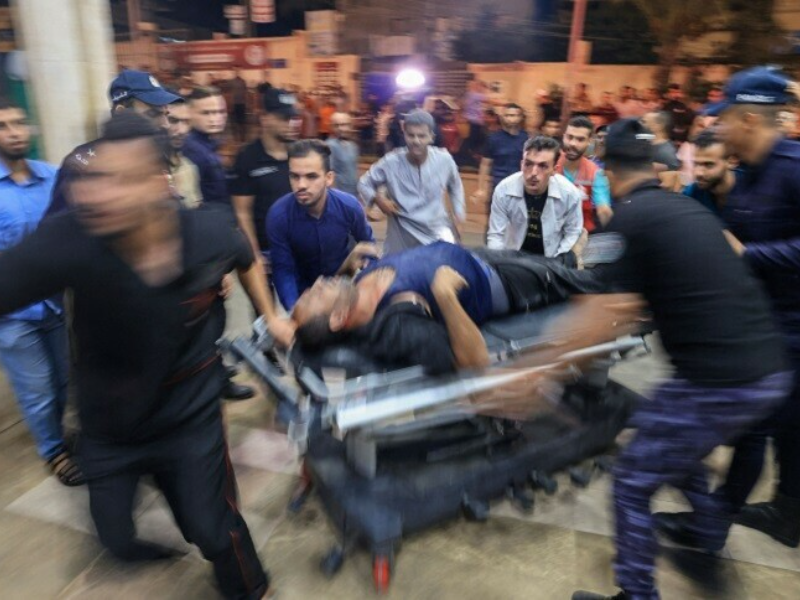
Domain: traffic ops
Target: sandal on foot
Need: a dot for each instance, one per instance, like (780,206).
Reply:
(63,466)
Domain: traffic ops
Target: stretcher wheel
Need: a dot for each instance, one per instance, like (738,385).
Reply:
(580,476)
(332,562)
(544,482)
(382,572)
(604,464)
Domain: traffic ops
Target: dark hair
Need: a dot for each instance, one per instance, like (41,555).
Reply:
(7,104)
(706,139)
(203,92)
(127,126)
(663,119)
(316,333)
(302,148)
(418,117)
(674,86)
(126,102)
(625,165)
(581,123)
(602,129)
(543,143)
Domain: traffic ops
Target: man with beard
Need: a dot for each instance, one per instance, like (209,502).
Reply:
(137,91)
(503,150)
(537,210)
(185,176)
(762,214)
(415,179)
(261,172)
(33,340)
(584,174)
(713,175)
(312,230)
(145,275)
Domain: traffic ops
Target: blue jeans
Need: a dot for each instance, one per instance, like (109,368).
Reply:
(34,355)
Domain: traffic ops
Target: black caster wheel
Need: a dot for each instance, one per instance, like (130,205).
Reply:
(580,476)
(543,481)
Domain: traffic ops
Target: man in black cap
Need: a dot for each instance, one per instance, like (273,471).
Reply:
(261,172)
(131,90)
(716,327)
(762,214)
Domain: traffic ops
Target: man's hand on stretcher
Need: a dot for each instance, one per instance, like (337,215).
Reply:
(358,257)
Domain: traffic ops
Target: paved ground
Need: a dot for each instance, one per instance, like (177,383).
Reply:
(48,550)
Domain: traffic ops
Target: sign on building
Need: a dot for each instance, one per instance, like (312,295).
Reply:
(262,11)
(322,31)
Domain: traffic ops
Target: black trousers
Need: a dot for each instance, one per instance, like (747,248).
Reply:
(192,468)
(533,281)
(748,457)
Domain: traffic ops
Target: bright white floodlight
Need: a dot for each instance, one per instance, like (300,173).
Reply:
(410,79)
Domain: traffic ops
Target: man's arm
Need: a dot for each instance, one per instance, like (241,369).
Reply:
(284,268)
(255,286)
(243,207)
(779,256)
(601,198)
(32,270)
(370,182)
(484,172)
(359,228)
(455,190)
(573,224)
(466,341)
(498,224)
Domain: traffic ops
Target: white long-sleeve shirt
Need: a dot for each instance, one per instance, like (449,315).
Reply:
(419,192)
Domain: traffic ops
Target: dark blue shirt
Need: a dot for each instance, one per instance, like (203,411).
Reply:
(414,271)
(704,197)
(505,152)
(22,206)
(303,248)
(763,212)
(202,151)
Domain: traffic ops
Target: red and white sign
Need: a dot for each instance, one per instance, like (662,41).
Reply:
(262,11)
(214,55)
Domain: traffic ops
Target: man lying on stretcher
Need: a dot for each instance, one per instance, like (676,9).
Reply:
(424,306)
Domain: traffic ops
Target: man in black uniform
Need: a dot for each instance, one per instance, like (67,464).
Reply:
(146,277)
(715,325)
(261,174)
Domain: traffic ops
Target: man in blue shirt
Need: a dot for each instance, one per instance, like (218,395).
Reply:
(713,176)
(312,230)
(209,116)
(503,150)
(762,214)
(33,340)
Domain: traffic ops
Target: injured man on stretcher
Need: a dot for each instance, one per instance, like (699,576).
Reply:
(424,306)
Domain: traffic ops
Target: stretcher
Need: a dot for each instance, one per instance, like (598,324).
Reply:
(394,452)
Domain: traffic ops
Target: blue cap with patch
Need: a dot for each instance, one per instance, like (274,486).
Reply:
(140,86)
(759,85)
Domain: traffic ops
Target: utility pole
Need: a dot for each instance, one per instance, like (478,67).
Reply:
(575,35)
(134,18)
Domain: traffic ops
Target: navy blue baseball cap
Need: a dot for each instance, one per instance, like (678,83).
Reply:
(759,85)
(140,86)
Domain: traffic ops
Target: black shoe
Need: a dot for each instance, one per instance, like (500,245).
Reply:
(676,528)
(581,595)
(231,371)
(779,519)
(234,391)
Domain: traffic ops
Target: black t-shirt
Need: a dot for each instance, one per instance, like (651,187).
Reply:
(713,316)
(147,361)
(258,174)
(534,240)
